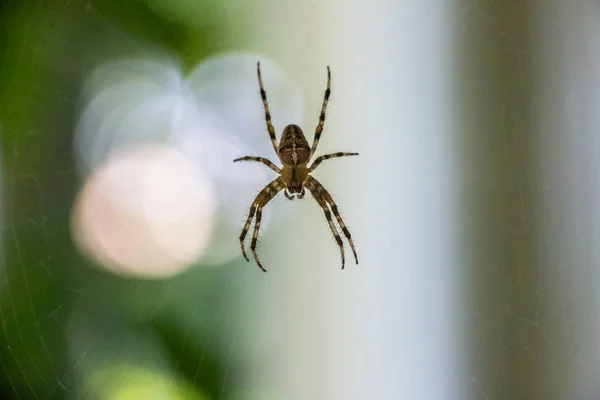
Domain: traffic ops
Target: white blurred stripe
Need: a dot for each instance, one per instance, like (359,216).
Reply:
(395,326)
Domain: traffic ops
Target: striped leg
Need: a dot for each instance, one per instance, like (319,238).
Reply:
(320,159)
(319,198)
(263,95)
(319,129)
(255,236)
(263,160)
(323,192)
(259,202)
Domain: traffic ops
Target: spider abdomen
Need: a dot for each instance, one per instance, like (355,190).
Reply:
(293,147)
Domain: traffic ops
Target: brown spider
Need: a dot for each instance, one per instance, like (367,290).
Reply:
(294,153)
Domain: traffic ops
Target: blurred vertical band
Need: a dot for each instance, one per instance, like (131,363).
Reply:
(501,199)
(389,327)
(567,118)
(394,320)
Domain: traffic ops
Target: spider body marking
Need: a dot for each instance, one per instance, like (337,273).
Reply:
(294,154)
(293,149)
(294,177)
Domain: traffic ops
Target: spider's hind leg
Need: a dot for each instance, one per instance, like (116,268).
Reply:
(263,96)
(319,129)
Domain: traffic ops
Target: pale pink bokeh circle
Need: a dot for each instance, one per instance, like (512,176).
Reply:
(147,212)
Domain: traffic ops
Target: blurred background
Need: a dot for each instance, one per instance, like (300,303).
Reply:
(474,203)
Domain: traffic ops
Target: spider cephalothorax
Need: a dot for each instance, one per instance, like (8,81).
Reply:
(295,154)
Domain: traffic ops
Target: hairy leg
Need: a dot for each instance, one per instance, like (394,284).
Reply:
(320,159)
(319,198)
(263,160)
(319,129)
(263,95)
(323,192)
(255,236)
(261,200)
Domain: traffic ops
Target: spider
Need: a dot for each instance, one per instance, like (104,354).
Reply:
(295,154)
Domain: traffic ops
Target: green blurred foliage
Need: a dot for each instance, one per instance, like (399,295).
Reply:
(47,48)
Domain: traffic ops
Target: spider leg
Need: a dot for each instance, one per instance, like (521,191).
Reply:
(319,129)
(259,202)
(263,95)
(255,236)
(322,158)
(323,192)
(263,160)
(319,198)
(245,230)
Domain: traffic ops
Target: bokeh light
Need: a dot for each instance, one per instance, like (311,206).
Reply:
(126,381)
(473,204)
(213,115)
(147,212)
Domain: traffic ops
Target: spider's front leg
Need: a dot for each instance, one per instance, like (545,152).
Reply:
(319,198)
(325,200)
(259,202)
